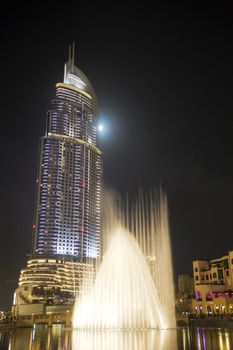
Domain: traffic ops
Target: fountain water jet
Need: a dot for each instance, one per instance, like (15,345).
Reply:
(133,288)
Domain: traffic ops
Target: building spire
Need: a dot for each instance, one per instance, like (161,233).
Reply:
(71,53)
(69,59)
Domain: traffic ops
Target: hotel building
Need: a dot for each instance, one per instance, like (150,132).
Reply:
(67,223)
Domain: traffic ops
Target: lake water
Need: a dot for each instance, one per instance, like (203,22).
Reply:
(59,337)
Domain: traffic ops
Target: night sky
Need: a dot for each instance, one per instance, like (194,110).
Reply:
(163,78)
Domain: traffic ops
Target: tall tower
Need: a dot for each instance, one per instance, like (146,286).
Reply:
(68,204)
(67,222)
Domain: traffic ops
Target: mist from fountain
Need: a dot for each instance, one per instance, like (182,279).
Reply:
(133,288)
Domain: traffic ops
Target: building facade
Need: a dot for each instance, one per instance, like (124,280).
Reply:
(69,183)
(213,281)
(67,222)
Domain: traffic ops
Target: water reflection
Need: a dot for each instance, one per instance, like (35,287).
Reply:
(124,340)
(41,337)
(58,337)
(210,338)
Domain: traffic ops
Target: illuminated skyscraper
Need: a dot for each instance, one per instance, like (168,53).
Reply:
(69,183)
(67,223)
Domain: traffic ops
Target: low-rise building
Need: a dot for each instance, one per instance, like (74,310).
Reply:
(213,283)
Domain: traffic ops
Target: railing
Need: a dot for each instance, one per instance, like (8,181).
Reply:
(49,319)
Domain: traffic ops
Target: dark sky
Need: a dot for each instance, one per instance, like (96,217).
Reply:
(163,77)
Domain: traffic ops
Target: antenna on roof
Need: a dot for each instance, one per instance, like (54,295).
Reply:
(73,53)
(73,50)
(69,53)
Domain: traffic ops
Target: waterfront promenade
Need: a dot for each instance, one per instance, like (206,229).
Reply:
(29,321)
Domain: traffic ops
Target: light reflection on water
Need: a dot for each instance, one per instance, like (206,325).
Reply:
(121,340)
(59,337)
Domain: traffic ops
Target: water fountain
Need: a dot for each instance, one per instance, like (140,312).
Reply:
(133,288)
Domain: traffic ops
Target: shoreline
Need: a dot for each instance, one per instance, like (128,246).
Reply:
(196,323)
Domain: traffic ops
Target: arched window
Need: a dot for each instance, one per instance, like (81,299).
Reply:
(198,295)
(208,308)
